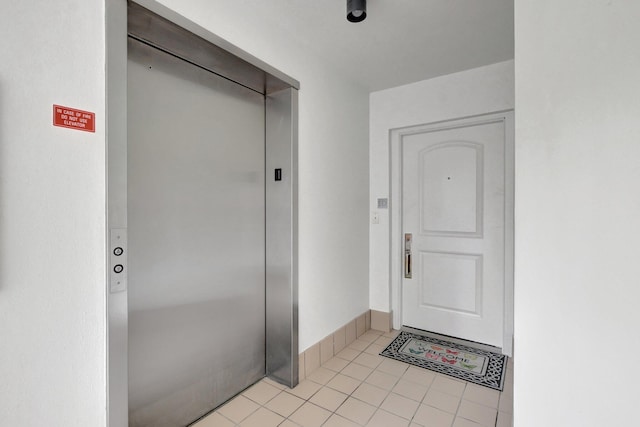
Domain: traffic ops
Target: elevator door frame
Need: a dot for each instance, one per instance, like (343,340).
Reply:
(160,27)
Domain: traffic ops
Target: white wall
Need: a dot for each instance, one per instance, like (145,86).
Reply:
(477,91)
(52,216)
(577,274)
(333,165)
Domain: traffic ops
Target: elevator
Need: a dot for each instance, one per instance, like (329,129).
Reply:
(203,244)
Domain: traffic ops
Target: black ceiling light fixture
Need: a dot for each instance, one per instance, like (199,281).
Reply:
(356,10)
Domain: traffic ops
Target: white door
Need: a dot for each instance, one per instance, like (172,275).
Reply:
(453,204)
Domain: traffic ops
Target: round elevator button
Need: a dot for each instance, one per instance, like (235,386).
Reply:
(118,268)
(118,251)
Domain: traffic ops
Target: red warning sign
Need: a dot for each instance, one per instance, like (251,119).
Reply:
(74,119)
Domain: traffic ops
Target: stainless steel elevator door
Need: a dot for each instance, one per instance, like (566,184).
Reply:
(196,221)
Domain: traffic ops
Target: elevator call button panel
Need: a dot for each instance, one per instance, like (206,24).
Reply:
(118,260)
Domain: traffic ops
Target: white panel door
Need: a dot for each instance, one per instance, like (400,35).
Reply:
(453,203)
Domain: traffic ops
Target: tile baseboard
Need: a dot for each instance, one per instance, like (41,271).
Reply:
(381,321)
(321,352)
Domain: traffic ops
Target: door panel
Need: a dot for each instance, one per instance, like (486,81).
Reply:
(451,282)
(453,205)
(196,220)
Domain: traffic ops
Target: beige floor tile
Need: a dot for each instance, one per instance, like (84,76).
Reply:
(284,404)
(411,390)
(338,421)
(305,389)
(448,385)
(374,349)
(363,389)
(370,394)
(336,364)
(328,398)
(382,340)
(506,403)
(214,420)
(482,395)
(478,413)
(343,383)
(504,419)
(310,415)
(262,418)
(508,382)
(371,335)
(238,409)
(274,384)
(438,399)
(432,417)
(392,367)
(400,405)
(359,345)
(382,380)
(392,334)
(419,376)
(356,411)
(357,371)
(385,419)
(321,375)
(348,354)
(261,393)
(461,422)
(369,360)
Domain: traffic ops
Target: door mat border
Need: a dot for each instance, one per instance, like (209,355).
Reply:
(493,376)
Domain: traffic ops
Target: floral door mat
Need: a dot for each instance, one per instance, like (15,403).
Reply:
(460,361)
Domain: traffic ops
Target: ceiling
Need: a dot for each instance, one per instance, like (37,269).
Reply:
(401,41)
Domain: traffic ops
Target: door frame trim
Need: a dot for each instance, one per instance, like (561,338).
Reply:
(281,145)
(396,255)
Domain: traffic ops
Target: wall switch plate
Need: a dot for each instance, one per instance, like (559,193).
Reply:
(375,218)
(118,266)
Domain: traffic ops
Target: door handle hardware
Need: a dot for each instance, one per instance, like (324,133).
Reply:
(407,255)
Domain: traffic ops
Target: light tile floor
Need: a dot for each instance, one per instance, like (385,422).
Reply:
(360,388)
